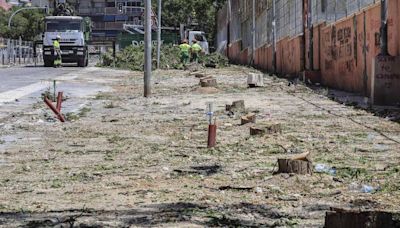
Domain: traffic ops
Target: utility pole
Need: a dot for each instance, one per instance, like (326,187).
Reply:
(384,28)
(147,49)
(159,34)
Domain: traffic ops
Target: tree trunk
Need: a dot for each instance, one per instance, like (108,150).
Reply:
(360,219)
(294,166)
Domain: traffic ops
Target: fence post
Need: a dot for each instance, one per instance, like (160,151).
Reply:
(274,36)
(8,50)
(335,10)
(253,31)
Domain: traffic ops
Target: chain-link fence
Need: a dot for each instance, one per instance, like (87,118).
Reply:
(13,52)
(288,16)
(334,10)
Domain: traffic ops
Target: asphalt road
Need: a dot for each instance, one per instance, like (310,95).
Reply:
(16,77)
(21,87)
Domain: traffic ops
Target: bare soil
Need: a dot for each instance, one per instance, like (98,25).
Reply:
(124,161)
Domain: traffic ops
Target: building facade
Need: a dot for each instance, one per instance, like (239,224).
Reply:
(109,16)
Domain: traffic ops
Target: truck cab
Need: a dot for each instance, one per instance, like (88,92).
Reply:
(200,36)
(73,43)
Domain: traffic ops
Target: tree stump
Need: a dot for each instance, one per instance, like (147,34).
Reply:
(360,219)
(249,118)
(269,129)
(294,166)
(198,74)
(208,82)
(236,106)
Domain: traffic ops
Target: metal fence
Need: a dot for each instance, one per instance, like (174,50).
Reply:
(289,18)
(14,52)
(333,10)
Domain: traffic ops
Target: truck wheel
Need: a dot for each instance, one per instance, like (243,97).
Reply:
(87,61)
(48,63)
(81,62)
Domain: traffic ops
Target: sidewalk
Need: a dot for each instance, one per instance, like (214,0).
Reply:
(125,160)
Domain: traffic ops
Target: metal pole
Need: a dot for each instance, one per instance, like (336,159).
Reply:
(228,30)
(311,30)
(147,49)
(19,50)
(159,34)
(384,28)
(274,36)
(253,32)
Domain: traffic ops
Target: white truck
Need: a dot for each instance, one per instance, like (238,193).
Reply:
(200,36)
(74,34)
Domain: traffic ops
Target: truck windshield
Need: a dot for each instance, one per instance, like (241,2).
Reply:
(63,26)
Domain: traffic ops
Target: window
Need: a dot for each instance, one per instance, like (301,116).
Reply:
(63,26)
(110,4)
(199,37)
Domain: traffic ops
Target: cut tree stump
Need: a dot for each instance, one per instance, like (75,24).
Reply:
(268,129)
(360,219)
(306,156)
(249,118)
(294,166)
(255,80)
(236,106)
(208,82)
(198,74)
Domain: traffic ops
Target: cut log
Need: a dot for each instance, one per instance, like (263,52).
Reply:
(236,106)
(249,118)
(302,157)
(269,129)
(255,80)
(208,82)
(360,219)
(200,75)
(294,166)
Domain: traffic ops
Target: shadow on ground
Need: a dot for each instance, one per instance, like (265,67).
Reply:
(181,213)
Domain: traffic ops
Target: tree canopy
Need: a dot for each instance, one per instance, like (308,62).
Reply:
(26,24)
(199,12)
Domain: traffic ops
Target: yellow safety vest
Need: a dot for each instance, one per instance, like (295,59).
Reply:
(184,48)
(196,48)
(56,45)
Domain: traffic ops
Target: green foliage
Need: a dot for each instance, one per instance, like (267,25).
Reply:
(201,12)
(26,24)
(132,58)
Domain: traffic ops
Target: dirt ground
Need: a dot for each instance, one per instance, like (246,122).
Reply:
(125,161)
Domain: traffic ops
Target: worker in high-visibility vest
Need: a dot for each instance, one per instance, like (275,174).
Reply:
(195,51)
(57,52)
(185,48)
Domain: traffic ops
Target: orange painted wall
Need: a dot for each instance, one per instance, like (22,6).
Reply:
(342,51)
(290,56)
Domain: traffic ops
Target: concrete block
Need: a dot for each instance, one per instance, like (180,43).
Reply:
(255,80)
(385,88)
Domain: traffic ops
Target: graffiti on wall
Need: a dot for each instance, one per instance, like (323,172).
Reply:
(339,48)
